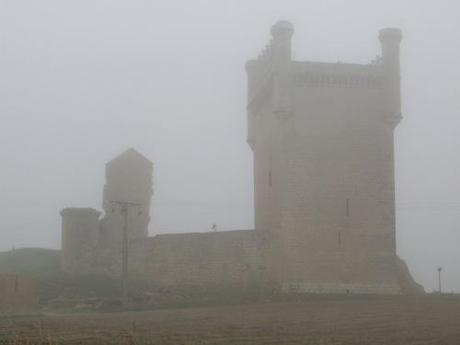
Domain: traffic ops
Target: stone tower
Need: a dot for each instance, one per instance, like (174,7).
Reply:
(80,235)
(128,179)
(90,245)
(322,137)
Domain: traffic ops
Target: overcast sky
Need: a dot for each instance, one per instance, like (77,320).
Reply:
(81,81)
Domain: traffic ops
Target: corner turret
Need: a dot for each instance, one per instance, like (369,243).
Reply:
(282,33)
(390,39)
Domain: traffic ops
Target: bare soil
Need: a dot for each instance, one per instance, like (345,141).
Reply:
(316,321)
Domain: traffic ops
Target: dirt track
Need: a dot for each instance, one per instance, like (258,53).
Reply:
(392,321)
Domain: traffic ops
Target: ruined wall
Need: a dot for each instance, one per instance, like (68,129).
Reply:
(18,294)
(80,234)
(230,258)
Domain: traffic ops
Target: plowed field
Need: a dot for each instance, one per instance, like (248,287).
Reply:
(389,321)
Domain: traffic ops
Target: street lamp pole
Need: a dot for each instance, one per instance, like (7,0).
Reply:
(439,279)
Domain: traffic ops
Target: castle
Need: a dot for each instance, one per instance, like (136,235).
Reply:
(322,139)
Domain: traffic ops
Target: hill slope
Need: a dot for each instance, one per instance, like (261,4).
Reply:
(45,266)
(33,262)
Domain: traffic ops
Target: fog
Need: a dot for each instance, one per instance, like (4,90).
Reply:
(81,81)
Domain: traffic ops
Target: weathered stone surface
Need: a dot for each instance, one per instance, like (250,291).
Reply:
(80,236)
(229,258)
(128,180)
(17,293)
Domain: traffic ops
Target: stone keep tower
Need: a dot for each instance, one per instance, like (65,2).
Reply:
(322,137)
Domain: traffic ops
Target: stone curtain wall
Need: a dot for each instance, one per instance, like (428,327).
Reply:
(230,258)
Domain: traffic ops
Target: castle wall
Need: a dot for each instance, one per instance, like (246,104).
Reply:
(230,258)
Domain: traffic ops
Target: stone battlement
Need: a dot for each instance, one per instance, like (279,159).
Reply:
(337,75)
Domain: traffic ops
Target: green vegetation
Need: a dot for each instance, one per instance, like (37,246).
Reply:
(33,262)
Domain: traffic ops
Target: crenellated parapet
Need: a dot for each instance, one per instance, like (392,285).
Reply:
(339,75)
(274,77)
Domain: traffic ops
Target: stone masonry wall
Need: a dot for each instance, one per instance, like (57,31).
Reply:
(230,258)
(80,236)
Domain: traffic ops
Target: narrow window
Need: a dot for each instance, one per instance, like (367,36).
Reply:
(270,162)
(347,207)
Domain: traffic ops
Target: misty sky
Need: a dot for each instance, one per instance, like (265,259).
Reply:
(81,81)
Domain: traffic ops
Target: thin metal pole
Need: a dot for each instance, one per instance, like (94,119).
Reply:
(124,209)
(439,279)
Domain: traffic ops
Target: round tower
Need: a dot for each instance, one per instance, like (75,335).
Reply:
(282,33)
(390,39)
(80,227)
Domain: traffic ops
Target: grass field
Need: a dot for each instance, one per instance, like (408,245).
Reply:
(314,320)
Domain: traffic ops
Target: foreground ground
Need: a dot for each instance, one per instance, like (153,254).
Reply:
(315,321)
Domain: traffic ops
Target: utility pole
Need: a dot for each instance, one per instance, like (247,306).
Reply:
(124,207)
(439,279)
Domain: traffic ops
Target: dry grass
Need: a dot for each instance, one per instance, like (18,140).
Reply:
(317,321)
